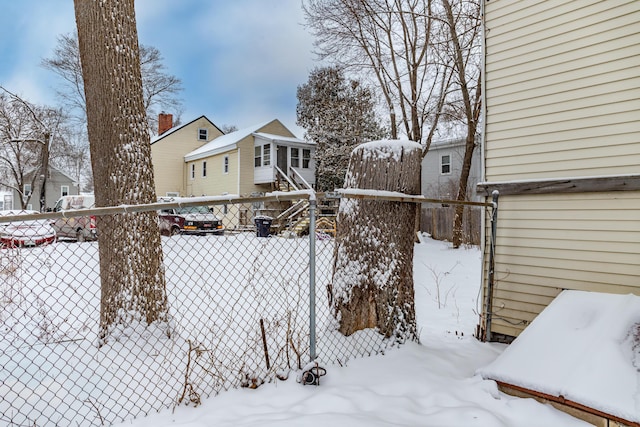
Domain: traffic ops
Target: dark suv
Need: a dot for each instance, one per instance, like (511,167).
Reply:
(189,220)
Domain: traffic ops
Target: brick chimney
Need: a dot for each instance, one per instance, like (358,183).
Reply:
(165,122)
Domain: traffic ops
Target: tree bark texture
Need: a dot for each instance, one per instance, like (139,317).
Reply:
(131,265)
(373,259)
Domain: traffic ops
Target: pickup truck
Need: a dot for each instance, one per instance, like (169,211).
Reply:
(197,220)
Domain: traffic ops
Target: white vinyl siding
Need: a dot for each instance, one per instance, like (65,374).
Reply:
(563,101)
(547,243)
(563,91)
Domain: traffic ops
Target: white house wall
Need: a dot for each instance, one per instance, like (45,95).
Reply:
(563,89)
(563,102)
(436,184)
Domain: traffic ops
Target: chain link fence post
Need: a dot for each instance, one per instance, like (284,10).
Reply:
(312,277)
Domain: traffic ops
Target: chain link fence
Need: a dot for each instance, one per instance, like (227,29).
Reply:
(238,275)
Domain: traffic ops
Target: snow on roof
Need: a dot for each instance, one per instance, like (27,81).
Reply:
(280,138)
(223,143)
(585,347)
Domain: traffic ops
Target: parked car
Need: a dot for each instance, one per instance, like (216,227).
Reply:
(189,220)
(25,233)
(80,228)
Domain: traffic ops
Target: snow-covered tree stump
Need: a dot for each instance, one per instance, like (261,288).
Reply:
(373,259)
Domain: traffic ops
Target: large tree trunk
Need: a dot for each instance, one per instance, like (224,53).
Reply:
(131,268)
(373,259)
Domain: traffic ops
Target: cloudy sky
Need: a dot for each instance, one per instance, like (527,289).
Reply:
(240,61)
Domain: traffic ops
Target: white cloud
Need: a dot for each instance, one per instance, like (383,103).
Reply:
(240,61)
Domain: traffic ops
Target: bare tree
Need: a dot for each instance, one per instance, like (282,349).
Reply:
(463,19)
(160,89)
(225,128)
(27,133)
(71,155)
(65,62)
(131,264)
(18,159)
(394,41)
(373,257)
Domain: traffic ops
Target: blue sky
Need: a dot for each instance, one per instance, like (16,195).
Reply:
(240,61)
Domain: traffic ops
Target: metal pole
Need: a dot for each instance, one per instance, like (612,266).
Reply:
(45,171)
(491,267)
(312,277)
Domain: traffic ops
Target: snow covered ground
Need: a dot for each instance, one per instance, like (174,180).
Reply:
(429,384)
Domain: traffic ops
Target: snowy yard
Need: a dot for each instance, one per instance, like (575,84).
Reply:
(429,384)
(50,360)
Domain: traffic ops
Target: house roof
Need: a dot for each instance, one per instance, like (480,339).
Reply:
(52,169)
(280,138)
(451,142)
(229,141)
(583,347)
(62,173)
(157,138)
(223,143)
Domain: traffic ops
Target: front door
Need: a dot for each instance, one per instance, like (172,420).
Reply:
(282,159)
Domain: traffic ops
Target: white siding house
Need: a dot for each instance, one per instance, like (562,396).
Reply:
(441,169)
(562,146)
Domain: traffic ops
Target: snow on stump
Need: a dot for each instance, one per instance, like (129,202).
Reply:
(373,259)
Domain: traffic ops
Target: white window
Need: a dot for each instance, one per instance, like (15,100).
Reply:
(193,170)
(203,134)
(204,169)
(262,156)
(225,164)
(306,158)
(64,190)
(295,157)
(258,156)
(29,207)
(266,155)
(173,194)
(445,164)
(27,189)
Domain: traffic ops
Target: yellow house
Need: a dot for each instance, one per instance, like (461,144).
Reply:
(198,159)
(170,146)
(249,161)
(562,147)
